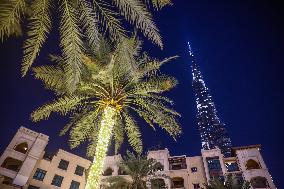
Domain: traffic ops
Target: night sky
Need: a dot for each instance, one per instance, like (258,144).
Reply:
(239,47)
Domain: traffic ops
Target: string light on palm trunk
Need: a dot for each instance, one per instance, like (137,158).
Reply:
(104,136)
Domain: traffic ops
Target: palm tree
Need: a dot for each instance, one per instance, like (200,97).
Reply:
(118,84)
(137,167)
(231,183)
(79,19)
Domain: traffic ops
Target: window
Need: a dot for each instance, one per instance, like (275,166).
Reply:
(214,166)
(108,172)
(232,166)
(193,169)
(39,174)
(74,185)
(57,180)
(79,170)
(22,147)
(176,163)
(12,164)
(33,187)
(251,164)
(259,182)
(63,164)
(196,186)
(177,182)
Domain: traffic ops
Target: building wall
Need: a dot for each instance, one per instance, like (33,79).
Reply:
(51,168)
(36,143)
(32,159)
(190,177)
(244,154)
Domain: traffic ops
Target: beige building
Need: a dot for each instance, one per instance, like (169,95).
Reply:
(25,165)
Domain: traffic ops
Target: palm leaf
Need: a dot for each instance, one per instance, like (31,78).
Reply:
(133,133)
(62,105)
(11,12)
(71,44)
(90,23)
(108,19)
(38,28)
(52,77)
(136,13)
(159,4)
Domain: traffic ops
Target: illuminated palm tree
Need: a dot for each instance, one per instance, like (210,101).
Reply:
(79,20)
(117,85)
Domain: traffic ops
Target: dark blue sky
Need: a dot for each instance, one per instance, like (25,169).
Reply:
(239,47)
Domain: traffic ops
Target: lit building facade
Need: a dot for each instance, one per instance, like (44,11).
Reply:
(212,131)
(25,165)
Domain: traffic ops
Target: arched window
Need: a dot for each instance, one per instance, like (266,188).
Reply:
(22,147)
(159,167)
(259,182)
(177,182)
(252,164)
(158,183)
(12,164)
(108,172)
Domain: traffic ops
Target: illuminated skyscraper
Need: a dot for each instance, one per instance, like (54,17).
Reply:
(212,130)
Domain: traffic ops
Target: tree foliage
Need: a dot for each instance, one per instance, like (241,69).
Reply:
(137,167)
(79,20)
(129,82)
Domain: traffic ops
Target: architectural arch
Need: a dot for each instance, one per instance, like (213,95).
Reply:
(159,166)
(12,164)
(259,182)
(252,164)
(108,171)
(22,147)
(177,182)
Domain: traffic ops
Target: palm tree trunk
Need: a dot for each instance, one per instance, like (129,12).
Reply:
(104,136)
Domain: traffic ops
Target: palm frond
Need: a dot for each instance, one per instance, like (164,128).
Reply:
(108,19)
(159,4)
(11,12)
(38,28)
(71,44)
(83,129)
(136,13)
(62,105)
(150,67)
(158,116)
(52,77)
(153,85)
(133,133)
(90,23)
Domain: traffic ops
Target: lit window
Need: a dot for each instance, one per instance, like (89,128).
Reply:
(63,164)
(79,170)
(39,174)
(193,169)
(74,185)
(57,180)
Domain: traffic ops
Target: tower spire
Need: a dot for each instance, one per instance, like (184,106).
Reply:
(212,131)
